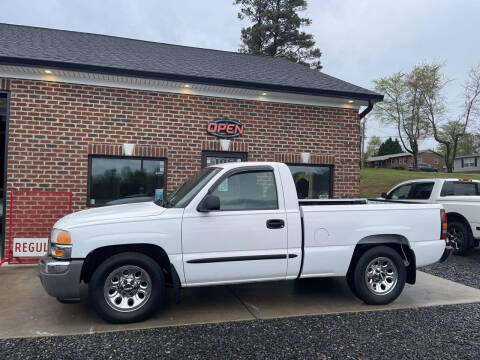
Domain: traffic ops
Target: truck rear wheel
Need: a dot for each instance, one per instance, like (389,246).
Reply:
(459,237)
(128,287)
(379,276)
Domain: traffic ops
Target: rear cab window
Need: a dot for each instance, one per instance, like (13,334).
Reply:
(460,188)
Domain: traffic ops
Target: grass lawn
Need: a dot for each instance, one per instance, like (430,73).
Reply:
(375,181)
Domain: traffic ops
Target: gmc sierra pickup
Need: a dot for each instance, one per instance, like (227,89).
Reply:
(234,223)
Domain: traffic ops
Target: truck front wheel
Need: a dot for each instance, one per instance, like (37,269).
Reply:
(127,287)
(379,276)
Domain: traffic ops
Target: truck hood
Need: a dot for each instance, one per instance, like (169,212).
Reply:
(109,213)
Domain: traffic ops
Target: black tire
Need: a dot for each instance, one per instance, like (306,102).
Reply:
(363,290)
(459,237)
(351,283)
(133,259)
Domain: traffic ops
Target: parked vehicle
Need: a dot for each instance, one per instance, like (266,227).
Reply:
(237,223)
(459,197)
(422,167)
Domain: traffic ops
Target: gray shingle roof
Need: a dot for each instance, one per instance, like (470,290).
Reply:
(24,45)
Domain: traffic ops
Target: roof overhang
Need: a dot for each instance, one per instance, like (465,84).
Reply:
(177,85)
(189,79)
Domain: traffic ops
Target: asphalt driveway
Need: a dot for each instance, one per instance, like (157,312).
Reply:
(413,332)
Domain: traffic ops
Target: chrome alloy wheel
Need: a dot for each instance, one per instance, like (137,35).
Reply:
(455,238)
(127,288)
(381,276)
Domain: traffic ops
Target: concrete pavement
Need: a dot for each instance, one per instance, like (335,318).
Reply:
(26,310)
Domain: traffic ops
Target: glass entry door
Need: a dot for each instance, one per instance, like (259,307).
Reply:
(221,157)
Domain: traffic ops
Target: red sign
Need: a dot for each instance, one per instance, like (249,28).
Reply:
(225,128)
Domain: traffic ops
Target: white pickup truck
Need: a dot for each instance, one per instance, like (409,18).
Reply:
(459,197)
(235,223)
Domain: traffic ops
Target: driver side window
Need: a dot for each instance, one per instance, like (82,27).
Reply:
(250,190)
(400,193)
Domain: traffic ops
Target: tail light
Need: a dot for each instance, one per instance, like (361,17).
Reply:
(443,218)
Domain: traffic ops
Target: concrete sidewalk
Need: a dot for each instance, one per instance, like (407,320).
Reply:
(26,310)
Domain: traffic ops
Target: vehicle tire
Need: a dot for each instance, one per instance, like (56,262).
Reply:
(351,283)
(459,237)
(127,287)
(379,276)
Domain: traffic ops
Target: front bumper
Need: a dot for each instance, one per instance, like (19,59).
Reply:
(60,279)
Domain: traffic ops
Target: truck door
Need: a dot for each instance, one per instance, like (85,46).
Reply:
(246,239)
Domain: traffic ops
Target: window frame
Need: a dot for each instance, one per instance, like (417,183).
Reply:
(332,177)
(93,156)
(471,164)
(224,154)
(248,169)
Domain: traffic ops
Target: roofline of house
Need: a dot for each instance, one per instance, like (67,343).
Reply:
(391,156)
(187,78)
(467,156)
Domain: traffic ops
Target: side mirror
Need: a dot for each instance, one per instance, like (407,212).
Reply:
(209,203)
(384,195)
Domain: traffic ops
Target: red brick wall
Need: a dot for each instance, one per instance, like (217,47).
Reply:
(54,126)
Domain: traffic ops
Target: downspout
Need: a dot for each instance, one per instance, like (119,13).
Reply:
(362,145)
(367,110)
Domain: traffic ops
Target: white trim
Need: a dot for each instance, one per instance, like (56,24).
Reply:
(128,82)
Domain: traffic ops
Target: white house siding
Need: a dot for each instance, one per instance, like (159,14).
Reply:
(457,165)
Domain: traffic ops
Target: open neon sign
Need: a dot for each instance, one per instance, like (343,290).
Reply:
(225,128)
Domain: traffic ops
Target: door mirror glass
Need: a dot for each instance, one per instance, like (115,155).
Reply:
(209,203)
(383,195)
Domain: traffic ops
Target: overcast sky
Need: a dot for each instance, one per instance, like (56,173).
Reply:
(361,40)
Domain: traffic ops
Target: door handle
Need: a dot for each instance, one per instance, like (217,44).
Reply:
(275,224)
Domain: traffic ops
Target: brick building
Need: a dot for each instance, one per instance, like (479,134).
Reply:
(118,120)
(405,160)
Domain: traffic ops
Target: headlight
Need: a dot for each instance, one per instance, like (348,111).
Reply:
(60,244)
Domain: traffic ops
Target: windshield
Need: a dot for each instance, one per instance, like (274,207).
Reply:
(186,192)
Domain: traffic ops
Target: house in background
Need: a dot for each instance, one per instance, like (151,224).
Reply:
(467,163)
(403,160)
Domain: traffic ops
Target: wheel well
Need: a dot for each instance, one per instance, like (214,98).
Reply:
(400,247)
(97,256)
(452,216)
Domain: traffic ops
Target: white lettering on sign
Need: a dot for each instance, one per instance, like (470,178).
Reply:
(30,247)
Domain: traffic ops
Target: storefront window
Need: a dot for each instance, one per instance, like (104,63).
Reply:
(119,180)
(312,181)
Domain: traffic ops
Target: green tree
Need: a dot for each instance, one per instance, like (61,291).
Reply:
(468,144)
(389,147)
(373,146)
(402,108)
(448,133)
(275,31)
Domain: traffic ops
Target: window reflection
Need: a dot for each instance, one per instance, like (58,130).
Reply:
(312,181)
(125,180)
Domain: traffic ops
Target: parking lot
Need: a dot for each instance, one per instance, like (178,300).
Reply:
(33,313)
(234,321)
